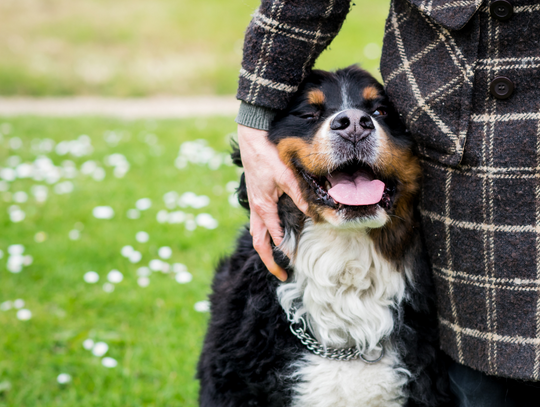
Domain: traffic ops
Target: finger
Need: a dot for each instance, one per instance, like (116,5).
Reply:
(261,243)
(256,225)
(259,228)
(266,214)
(273,224)
(267,256)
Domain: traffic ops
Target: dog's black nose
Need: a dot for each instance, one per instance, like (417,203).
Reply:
(353,125)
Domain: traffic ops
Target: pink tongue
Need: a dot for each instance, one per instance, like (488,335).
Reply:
(355,189)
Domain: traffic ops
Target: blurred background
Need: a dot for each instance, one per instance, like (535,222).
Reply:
(111,227)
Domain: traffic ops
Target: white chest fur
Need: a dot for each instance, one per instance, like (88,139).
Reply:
(333,383)
(347,291)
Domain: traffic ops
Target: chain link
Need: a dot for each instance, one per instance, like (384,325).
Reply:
(299,329)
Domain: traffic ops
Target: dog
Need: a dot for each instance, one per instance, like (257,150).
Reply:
(355,323)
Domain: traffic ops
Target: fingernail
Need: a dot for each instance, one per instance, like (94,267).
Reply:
(282,276)
(278,272)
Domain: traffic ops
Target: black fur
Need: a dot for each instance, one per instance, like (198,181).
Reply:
(248,349)
(419,337)
(248,346)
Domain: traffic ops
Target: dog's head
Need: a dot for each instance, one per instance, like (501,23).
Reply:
(348,149)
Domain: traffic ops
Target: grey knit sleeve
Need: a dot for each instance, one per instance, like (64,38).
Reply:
(256,117)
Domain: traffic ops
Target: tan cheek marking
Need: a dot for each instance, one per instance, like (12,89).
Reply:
(314,156)
(330,216)
(397,162)
(290,148)
(370,93)
(306,153)
(316,97)
(400,163)
(386,156)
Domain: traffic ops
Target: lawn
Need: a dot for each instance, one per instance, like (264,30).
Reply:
(55,173)
(140,206)
(149,47)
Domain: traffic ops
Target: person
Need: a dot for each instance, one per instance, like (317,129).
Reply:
(464,77)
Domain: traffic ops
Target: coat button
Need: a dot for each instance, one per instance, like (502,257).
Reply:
(501,87)
(501,10)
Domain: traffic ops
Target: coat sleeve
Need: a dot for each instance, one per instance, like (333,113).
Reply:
(282,42)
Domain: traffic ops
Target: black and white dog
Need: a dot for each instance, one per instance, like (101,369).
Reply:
(355,323)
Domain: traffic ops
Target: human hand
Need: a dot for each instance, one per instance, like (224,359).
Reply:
(266,179)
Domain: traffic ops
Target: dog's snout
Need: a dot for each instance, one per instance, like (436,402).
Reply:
(352,125)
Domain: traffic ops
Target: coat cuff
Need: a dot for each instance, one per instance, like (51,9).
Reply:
(256,117)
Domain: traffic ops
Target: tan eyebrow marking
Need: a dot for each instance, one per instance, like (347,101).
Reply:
(316,97)
(370,93)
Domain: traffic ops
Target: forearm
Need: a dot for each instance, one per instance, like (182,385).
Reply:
(281,45)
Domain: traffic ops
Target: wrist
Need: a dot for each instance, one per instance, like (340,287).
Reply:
(255,117)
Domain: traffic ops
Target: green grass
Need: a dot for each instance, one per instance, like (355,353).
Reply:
(148,47)
(154,333)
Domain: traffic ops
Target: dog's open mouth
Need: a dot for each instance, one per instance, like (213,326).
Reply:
(352,185)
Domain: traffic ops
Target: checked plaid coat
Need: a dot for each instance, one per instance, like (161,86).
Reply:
(480,203)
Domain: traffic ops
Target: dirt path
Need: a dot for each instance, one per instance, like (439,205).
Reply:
(133,108)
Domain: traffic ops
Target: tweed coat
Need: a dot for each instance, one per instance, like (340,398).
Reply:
(480,201)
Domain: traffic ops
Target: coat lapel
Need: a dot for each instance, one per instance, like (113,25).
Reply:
(453,15)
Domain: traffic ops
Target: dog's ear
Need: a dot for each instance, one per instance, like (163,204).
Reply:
(241,191)
(235,154)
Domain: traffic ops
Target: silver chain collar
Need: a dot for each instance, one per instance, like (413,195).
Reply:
(299,329)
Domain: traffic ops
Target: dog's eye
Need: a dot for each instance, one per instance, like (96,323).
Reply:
(379,112)
(309,116)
